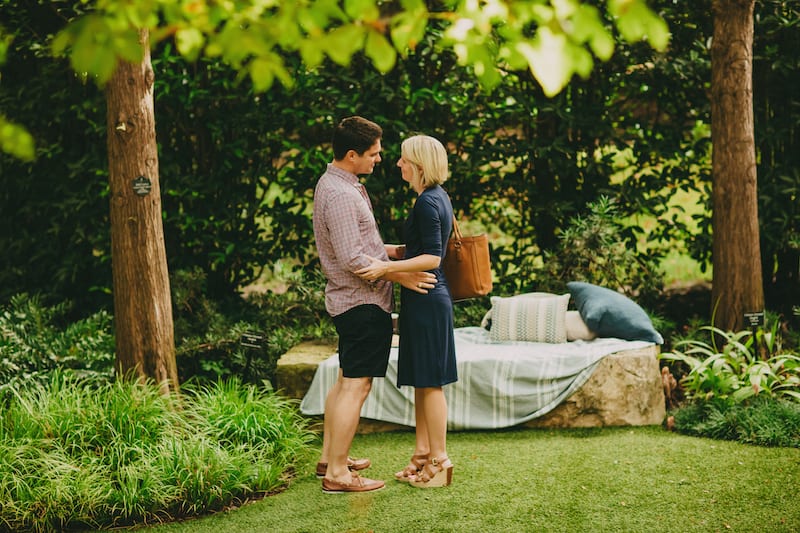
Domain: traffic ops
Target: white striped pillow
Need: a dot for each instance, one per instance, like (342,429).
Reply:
(542,318)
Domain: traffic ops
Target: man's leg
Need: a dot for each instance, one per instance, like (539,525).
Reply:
(364,341)
(330,401)
(341,421)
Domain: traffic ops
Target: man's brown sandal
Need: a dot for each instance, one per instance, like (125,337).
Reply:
(352,464)
(413,469)
(357,484)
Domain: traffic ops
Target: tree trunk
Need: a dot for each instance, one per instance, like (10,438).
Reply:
(142,304)
(737,283)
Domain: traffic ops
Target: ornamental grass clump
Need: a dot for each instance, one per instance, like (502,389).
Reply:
(78,453)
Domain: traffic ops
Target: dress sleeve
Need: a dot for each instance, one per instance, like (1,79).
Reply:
(429,223)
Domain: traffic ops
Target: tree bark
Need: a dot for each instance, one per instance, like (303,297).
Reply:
(737,283)
(142,305)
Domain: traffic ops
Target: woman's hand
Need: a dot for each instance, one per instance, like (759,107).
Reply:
(376,270)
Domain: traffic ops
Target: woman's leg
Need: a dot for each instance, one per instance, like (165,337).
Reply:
(423,446)
(438,472)
(434,409)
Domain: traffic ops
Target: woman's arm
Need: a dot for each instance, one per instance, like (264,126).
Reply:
(379,268)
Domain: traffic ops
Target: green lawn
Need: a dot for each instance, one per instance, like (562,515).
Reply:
(613,479)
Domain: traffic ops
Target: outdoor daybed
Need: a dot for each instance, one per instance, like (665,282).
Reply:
(537,364)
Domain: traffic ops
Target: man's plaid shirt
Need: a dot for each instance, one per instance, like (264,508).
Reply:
(347,236)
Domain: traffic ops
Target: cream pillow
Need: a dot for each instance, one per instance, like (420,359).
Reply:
(528,317)
(577,330)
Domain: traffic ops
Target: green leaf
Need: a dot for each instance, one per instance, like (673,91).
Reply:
(408,28)
(548,60)
(189,42)
(381,52)
(361,10)
(342,43)
(311,50)
(5,41)
(261,73)
(589,28)
(636,22)
(127,46)
(16,141)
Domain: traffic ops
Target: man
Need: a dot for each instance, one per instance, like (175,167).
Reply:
(347,239)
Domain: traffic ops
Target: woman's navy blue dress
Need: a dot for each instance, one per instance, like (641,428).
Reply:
(427,353)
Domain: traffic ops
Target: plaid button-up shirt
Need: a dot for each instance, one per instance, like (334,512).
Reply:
(346,233)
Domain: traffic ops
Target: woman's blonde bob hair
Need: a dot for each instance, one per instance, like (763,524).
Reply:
(429,158)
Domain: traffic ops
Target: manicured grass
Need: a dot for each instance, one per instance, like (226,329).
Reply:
(612,479)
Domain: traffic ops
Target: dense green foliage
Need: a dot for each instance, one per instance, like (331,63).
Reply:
(742,386)
(209,332)
(762,421)
(78,453)
(36,340)
(238,168)
(737,366)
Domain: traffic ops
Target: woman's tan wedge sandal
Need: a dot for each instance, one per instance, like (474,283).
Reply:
(413,469)
(437,473)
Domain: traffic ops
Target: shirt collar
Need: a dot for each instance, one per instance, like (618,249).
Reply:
(349,177)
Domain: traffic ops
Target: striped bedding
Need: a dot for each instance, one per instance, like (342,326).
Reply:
(501,384)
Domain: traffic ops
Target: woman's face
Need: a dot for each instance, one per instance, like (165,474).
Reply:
(406,169)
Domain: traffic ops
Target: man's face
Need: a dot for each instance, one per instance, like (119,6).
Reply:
(366,162)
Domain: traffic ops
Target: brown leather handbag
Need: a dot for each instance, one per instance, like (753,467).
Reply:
(467,266)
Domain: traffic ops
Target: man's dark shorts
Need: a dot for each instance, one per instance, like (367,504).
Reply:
(365,338)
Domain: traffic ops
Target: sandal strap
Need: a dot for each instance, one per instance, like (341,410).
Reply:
(418,461)
(433,467)
(416,464)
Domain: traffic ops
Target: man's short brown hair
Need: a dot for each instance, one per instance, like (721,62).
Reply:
(354,133)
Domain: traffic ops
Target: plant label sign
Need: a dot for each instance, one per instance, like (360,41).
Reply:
(252,339)
(142,186)
(754,319)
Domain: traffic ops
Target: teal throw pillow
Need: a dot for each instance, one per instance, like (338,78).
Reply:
(611,314)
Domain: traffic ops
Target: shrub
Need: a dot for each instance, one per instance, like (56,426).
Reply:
(595,248)
(209,333)
(737,371)
(34,343)
(762,421)
(78,452)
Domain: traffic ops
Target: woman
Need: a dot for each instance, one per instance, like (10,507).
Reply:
(427,359)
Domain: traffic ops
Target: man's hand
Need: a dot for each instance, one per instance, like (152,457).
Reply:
(416,281)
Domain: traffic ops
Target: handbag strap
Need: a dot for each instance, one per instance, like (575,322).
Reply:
(456,230)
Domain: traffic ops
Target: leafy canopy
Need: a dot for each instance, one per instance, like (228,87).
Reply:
(555,39)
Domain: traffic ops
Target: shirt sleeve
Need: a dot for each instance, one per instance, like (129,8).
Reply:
(346,219)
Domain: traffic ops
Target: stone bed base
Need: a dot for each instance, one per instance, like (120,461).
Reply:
(624,390)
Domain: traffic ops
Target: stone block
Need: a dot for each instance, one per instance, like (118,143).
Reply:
(296,368)
(624,390)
